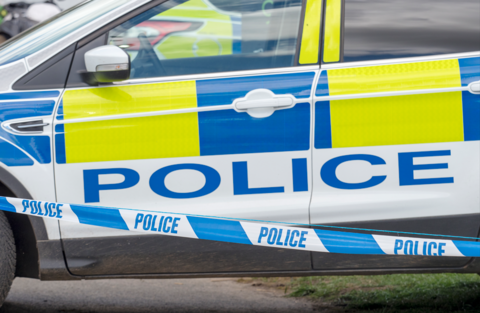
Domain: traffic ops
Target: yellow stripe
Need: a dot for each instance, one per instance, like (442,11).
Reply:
(333,18)
(398,120)
(151,137)
(397,77)
(311,32)
(96,102)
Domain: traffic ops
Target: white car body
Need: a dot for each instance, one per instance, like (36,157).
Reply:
(301,180)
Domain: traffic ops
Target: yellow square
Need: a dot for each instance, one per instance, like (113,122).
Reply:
(397,120)
(395,77)
(105,101)
(159,136)
(152,137)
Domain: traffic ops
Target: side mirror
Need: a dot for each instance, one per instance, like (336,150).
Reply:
(106,64)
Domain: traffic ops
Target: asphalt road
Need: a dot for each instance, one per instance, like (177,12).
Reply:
(132,296)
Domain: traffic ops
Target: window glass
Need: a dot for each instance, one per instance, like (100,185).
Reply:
(382,29)
(50,31)
(182,37)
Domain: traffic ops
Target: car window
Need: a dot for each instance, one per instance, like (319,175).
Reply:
(384,29)
(207,36)
(50,31)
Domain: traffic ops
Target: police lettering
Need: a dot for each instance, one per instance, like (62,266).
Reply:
(155,223)
(418,247)
(406,170)
(42,209)
(328,173)
(276,237)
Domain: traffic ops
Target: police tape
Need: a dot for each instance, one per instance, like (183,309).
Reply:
(233,231)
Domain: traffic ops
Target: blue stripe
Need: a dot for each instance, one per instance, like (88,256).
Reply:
(59,118)
(12,156)
(468,248)
(233,232)
(29,95)
(98,216)
(37,146)
(60,128)
(225,91)
(14,110)
(218,230)
(469,70)
(322,85)
(237,46)
(230,132)
(6,206)
(323,128)
(471,116)
(350,243)
(300,175)
(60,152)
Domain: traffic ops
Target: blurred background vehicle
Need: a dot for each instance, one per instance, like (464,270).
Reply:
(18,16)
(180,33)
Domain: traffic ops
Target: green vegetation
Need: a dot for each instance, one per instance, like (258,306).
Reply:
(387,293)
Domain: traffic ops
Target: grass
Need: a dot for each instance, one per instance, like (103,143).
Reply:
(387,293)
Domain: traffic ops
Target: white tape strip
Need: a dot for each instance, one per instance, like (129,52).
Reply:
(226,230)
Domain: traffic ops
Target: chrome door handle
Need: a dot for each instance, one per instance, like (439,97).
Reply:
(474,87)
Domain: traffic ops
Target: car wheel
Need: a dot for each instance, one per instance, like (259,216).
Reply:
(7,257)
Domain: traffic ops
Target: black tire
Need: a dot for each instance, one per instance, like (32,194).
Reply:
(7,257)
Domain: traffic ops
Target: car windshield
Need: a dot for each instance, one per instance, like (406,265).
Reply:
(61,25)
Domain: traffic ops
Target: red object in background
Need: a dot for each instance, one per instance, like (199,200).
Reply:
(163,28)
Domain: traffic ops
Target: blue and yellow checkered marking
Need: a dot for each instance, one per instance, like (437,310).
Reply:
(181,135)
(396,120)
(470,72)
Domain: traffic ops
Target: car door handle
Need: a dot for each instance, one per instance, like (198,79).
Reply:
(260,103)
(474,87)
(278,102)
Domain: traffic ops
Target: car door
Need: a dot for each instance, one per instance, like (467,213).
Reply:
(215,120)
(396,126)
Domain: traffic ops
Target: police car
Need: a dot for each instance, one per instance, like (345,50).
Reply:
(360,114)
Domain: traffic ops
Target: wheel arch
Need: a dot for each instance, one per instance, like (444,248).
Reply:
(27,230)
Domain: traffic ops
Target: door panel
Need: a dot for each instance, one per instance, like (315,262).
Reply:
(397,141)
(171,143)
(155,147)
(397,134)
